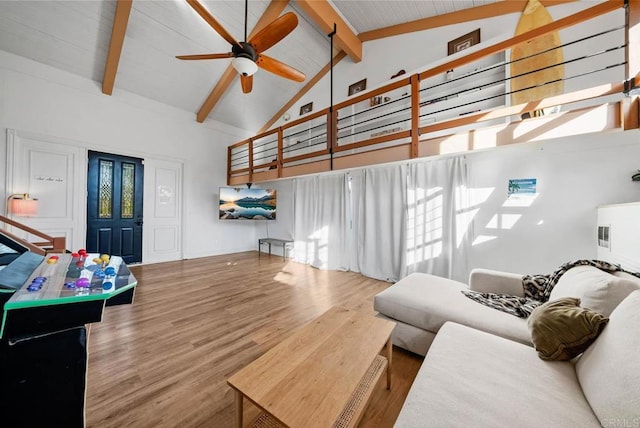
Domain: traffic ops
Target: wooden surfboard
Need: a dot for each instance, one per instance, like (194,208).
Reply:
(536,15)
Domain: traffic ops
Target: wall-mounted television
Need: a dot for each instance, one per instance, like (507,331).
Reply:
(238,203)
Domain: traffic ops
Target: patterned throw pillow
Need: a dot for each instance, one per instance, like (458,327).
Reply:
(561,329)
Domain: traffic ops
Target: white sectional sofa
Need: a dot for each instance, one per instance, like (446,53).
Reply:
(420,303)
(480,367)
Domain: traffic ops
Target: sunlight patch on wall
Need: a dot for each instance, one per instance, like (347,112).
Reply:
(455,143)
(464,219)
(503,221)
(481,239)
(468,211)
(467,208)
(595,119)
(479,195)
(523,201)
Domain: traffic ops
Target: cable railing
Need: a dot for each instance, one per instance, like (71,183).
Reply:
(464,99)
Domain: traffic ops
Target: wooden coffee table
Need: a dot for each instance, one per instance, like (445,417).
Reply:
(321,376)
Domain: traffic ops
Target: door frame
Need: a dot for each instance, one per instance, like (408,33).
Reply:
(139,190)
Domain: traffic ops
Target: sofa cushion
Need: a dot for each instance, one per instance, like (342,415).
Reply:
(624,275)
(427,302)
(609,371)
(561,329)
(596,289)
(473,379)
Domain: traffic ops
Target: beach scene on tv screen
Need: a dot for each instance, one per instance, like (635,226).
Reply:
(247,204)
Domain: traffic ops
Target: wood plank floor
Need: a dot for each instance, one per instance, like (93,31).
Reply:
(164,361)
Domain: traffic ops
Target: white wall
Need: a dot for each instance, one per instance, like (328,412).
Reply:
(575,175)
(42,100)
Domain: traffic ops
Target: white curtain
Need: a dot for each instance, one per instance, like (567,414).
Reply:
(438,218)
(386,222)
(355,185)
(320,219)
(380,224)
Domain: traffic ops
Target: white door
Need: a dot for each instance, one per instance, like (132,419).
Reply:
(162,211)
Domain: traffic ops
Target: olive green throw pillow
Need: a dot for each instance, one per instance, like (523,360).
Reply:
(561,329)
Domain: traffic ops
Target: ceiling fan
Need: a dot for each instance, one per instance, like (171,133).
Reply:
(247,55)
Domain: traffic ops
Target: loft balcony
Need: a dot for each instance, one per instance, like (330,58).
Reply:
(467,103)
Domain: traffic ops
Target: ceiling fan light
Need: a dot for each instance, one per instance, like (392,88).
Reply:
(244,66)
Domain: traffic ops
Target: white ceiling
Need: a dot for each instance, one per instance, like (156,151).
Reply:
(74,36)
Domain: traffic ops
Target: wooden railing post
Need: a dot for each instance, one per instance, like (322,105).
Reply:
(59,244)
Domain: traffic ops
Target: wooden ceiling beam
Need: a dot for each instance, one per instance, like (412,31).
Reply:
(324,15)
(273,11)
(120,22)
(471,14)
(310,84)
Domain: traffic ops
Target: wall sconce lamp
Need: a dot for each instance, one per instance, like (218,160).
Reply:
(21,205)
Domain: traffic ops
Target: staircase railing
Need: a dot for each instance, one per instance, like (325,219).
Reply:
(50,244)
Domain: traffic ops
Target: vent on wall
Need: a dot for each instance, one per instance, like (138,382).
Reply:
(604,236)
(621,234)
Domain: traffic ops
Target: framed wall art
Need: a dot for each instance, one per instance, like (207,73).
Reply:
(358,87)
(463,42)
(306,108)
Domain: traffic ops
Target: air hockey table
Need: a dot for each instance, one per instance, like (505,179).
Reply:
(43,333)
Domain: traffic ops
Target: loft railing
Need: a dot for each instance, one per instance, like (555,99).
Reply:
(49,244)
(462,104)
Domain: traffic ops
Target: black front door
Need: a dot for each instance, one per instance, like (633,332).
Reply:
(114,206)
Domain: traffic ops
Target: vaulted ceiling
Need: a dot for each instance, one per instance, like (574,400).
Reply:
(75,36)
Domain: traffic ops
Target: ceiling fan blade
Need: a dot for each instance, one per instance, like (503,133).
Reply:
(247,83)
(274,32)
(280,68)
(204,13)
(206,56)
